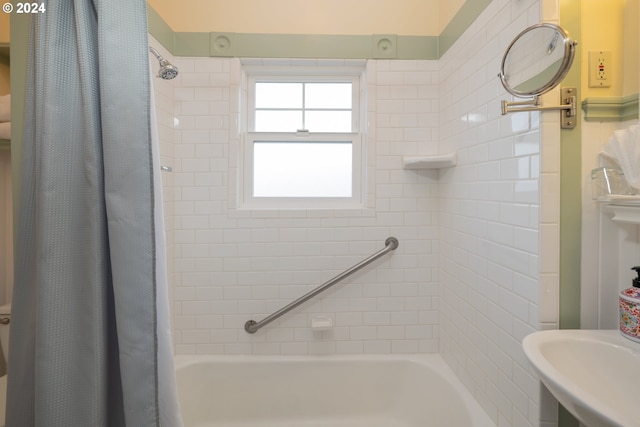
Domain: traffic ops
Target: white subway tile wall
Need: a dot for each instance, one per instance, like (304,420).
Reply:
(232,264)
(164,100)
(490,227)
(466,278)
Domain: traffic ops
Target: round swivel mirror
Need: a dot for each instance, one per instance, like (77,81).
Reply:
(537,60)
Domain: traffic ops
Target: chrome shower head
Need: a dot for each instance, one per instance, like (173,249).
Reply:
(167,70)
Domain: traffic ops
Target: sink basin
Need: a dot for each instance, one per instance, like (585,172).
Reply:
(595,374)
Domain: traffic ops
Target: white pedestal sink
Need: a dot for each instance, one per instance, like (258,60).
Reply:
(595,374)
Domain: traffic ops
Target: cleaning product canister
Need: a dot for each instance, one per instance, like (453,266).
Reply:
(630,309)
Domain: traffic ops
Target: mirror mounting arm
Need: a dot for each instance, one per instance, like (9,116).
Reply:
(531,103)
(568,106)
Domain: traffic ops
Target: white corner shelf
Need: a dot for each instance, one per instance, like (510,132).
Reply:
(438,161)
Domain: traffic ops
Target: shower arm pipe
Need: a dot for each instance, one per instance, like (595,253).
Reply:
(251,326)
(155,52)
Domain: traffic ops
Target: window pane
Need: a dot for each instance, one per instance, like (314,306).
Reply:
(328,121)
(328,95)
(306,169)
(278,95)
(278,121)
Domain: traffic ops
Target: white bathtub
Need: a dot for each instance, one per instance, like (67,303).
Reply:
(327,391)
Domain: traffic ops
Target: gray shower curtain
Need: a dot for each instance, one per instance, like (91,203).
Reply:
(90,344)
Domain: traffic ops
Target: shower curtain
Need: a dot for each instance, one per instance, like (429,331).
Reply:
(90,343)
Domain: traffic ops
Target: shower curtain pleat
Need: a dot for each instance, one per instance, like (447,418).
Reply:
(88,346)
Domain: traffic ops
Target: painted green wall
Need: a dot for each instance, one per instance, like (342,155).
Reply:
(570,196)
(570,186)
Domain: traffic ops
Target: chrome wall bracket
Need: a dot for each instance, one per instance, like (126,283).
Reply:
(567,107)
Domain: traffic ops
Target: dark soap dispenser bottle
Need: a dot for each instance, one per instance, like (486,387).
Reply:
(630,309)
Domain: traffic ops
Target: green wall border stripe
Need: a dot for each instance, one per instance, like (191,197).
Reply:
(376,46)
(410,46)
(610,109)
(191,44)
(244,45)
(291,45)
(468,13)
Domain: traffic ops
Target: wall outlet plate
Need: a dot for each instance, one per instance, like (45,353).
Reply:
(600,68)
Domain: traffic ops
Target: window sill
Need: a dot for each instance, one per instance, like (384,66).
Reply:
(263,212)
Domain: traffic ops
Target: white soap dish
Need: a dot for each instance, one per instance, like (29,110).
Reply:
(321,323)
(437,161)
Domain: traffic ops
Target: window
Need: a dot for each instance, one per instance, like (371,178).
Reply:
(303,146)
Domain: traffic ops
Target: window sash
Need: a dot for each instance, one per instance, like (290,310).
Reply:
(250,201)
(355,96)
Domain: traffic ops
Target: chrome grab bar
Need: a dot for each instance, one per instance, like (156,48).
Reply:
(251,326)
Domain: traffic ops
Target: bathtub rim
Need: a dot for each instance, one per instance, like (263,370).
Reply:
(433,361)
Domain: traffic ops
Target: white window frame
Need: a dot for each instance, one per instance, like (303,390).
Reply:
(322,73)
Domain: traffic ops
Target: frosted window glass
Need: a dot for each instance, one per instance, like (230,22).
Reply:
(310,169)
